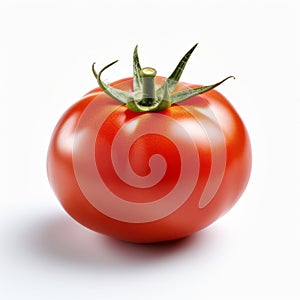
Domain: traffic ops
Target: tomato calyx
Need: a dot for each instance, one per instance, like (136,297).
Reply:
(144,97)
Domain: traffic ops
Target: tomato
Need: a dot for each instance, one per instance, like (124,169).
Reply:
(147,172)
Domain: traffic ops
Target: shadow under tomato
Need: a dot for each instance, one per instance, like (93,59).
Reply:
(66,242)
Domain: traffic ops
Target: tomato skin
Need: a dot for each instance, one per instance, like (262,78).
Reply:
(213,137)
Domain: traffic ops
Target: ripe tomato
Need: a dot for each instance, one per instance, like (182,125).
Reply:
(149,176)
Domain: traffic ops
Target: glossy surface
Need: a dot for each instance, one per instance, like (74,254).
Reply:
(149,177)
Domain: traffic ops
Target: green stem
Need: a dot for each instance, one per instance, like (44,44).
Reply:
(144,97)
(148,86)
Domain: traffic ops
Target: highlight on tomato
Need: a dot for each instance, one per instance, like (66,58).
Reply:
(147,158)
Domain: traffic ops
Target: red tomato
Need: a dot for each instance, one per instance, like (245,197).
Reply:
(150,176)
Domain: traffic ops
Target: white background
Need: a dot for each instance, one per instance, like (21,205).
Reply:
(46,52)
